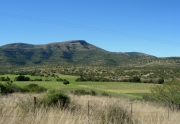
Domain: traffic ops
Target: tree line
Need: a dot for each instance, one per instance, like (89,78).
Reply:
(134,79)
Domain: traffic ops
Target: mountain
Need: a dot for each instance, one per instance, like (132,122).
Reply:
(74,52)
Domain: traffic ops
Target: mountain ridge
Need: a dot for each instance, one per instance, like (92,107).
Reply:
(74,52)
(74,42)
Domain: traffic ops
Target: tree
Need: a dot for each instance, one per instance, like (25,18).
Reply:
(161,81)
(168,93)
(22,78)
(135,79)
(66,82)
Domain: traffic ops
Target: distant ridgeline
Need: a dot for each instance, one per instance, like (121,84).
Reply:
(79,57)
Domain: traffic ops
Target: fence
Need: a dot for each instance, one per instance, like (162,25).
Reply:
(93,110)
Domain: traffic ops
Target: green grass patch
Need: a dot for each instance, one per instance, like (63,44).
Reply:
(113,88)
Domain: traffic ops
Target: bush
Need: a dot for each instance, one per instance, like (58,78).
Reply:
(13,88)
(10,88)
(168,94)
(32,85)
(34,88)
(81,92)
(37,79)
(4,78)
(147,81)
(135,79)
(56,97)
(160,81)
(93,93)
(105,94)
(3,88)
(59,79)
(22,78)
(65,82)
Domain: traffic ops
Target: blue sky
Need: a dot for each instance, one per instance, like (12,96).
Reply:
(148,26)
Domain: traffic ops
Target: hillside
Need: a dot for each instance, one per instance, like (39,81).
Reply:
(74,52)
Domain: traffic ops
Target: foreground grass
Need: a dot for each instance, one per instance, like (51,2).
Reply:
(19,109)
(99,111)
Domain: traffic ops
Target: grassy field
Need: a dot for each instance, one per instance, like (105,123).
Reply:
(118,88)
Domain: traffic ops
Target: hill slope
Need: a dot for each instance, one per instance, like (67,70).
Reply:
(74,52)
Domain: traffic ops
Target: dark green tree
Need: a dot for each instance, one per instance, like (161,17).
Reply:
(161,81)
(66,82)
(22,78)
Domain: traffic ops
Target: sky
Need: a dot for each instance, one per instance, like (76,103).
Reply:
(148,26)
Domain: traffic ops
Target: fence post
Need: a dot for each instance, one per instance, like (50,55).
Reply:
(88,112)
(168,114)
(88,108)
(34,104)
(131,109)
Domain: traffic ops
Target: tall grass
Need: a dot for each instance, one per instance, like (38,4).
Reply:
(19,109)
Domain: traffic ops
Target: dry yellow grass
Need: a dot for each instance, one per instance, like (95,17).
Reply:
(149,113)
(19,109)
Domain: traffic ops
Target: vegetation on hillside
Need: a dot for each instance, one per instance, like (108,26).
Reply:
(158,74)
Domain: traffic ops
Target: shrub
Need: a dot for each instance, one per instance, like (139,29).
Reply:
(160,81)
(65,82)
(59,79)
(80,92)
(93,93)
(135,79)
(13,88)
(8,87)
(56,97)
(37,79)
(83,92)
(168,94)
(34,88)
(32,85)
(22,78)
(3,88)
(105,94)
(4,78)
(147,81)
